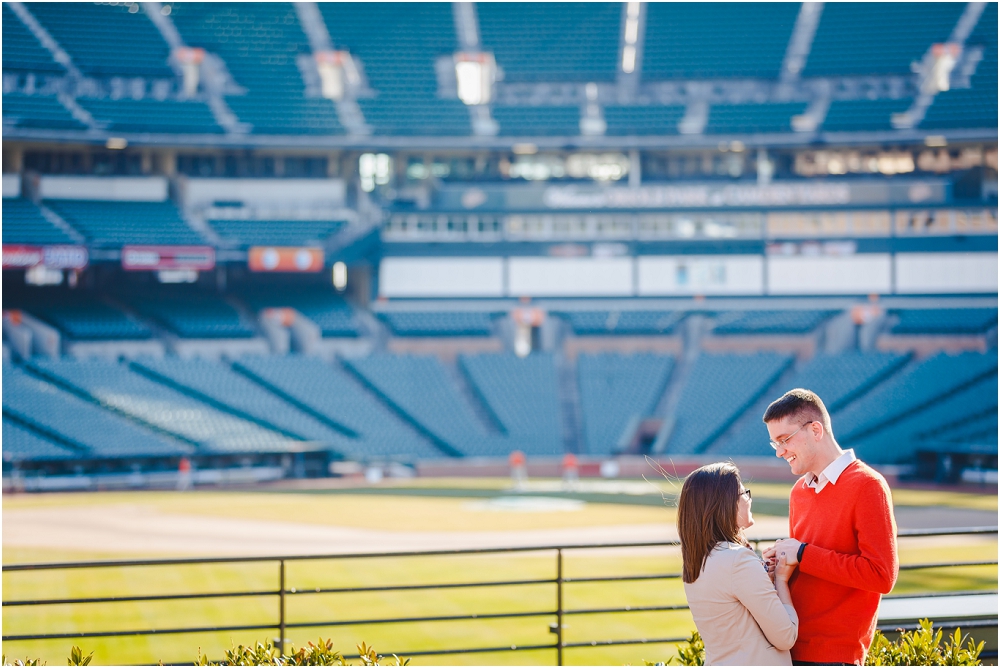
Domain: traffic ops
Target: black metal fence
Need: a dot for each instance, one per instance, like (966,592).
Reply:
(281,594)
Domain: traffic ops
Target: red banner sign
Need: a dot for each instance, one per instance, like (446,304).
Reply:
(283,259)
(53,257)
(154,258)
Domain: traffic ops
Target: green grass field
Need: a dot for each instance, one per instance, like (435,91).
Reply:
(392,513)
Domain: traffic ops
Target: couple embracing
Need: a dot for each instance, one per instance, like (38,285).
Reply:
(814,598)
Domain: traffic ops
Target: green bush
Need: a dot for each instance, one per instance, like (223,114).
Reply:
(691,653)
(319,654)
(922,647)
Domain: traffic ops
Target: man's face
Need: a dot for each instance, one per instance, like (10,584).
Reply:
(797,442)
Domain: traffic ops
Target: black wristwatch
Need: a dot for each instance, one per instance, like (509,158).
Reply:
(798,555)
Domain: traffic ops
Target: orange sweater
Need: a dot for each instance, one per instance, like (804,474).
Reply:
(849,563)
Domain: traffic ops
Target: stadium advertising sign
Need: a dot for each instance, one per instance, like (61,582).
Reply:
(53,257)
(286,259)
(157,258)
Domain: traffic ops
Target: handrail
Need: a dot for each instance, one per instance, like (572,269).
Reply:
(282,592)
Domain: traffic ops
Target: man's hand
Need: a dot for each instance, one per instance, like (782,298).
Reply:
(789,546)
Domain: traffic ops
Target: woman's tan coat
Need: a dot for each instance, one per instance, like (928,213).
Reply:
(737,611)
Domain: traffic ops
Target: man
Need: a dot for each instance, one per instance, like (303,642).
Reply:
(843,534)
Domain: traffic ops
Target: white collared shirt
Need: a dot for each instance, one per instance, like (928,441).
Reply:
(831,472)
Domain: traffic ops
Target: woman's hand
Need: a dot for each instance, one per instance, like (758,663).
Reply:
(782,569)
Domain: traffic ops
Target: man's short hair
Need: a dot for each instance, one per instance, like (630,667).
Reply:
(799,403)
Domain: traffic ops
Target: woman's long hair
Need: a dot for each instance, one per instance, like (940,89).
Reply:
(707,514)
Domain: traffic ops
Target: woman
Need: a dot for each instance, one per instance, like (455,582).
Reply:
(743,618)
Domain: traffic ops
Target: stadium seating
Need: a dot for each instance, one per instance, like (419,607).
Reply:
(614,389)
(877,37)
(168,410)
(439,323)
(37,111)
(106,39)
(330,312)
(246,233)
(117,223)
(327,390)
(525,121)
(96,431)
(622,322)
(719,41)
(720,389)
(545,42)
(914,389)
(82,317)
(259,43)
(420,388)
(149,115)
(899,443)
(944,321)
(192,315)
(22,444)
(643,120)
(769,322)
(21,50)
(838,379)
(745,118)
(523,394)
(863,115)
(398,44)
(23,223)
(217,384)
(976,429)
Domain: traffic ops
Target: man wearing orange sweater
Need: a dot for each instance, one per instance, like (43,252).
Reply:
(843,534)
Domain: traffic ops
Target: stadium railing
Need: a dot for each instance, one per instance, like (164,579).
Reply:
(969,619)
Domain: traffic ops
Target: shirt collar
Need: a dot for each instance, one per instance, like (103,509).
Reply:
(832,472)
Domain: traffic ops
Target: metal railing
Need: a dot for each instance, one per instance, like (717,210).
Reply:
(283,592)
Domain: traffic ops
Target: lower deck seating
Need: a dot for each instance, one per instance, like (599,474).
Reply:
(194,315)
(769,322)
(168,410)
(614,389)
(38,111)
(246,233)
(752,118)
(83,318)
(439,323)
(23,223)
(720,388)
(21,443)
(944,321)
(643,120)
(623,322)
(117,223)
(530,121)
(96,431)
(151,115)
(330,312)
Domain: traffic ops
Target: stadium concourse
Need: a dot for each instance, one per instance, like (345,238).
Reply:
(289,240)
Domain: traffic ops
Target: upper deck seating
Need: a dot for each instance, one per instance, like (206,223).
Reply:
(752,118)
(863,115)
(522,121)
(838,379)
(150,115)
(419,388)
(720,389)
(97,431)
(728,40)
(117,223)
(218,384)
(246,233)
(327,390)
(259,43)
(22,444)
(439,323)
(770,322)
(945,321)
(614,389)
(523,394)
(105,39)
(22,51)
(623,322)
(552,42)
(173,412)
(643,120)
(914,389)
(23,223)
(37,111)
(859,38)
(398,45)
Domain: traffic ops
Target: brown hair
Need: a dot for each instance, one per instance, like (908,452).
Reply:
(707,514)
(799,403)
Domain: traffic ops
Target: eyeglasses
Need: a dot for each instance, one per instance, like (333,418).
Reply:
(746,493)
(781,443)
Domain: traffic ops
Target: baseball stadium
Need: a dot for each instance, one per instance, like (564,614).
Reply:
(403,323)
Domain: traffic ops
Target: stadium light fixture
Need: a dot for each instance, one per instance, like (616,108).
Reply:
(115,143)
(374,169)
(475,74)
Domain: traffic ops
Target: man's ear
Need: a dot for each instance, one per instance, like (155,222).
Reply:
(817,429)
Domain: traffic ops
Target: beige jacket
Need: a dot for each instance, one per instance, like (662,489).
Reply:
(737,611)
